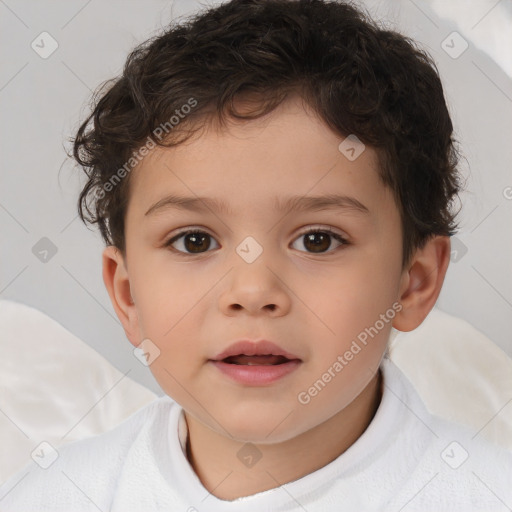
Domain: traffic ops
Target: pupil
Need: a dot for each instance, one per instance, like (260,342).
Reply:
(197,239)
(322,241)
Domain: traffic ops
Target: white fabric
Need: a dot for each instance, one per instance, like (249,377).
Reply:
(399,463)
(459,373)
(54,387)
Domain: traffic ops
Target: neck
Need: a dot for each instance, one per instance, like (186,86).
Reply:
(283,462)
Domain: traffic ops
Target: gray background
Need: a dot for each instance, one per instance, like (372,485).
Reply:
(43,100)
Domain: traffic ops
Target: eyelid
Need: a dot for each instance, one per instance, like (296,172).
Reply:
(323,229)
(341,238)
(184,231)
(192,229)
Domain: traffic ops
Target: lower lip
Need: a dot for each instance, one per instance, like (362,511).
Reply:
(255,375)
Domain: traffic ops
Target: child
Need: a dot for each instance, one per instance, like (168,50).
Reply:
(273,180)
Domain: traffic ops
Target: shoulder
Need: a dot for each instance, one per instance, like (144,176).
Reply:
(443,463)
(461,445)
(82,472)
(459,467)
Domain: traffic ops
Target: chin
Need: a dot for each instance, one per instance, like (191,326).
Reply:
(261,429)
(260,436)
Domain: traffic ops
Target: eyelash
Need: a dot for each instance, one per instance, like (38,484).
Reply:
(326,230)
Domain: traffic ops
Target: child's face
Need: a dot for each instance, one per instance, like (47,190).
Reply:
(311,299)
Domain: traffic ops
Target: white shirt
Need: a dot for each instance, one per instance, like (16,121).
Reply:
(406,460)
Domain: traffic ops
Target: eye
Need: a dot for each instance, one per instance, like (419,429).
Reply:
(318,239)
(194,241)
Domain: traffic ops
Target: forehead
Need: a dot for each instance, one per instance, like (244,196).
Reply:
(260,165)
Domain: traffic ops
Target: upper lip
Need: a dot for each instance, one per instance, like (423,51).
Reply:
(254,348)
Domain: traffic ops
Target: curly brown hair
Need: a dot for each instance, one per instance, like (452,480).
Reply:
(359,78)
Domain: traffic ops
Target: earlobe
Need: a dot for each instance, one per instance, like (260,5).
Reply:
(115,277)
(422,282)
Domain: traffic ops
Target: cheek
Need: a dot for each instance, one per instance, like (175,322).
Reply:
(355,294)
(348,308)
(164,297)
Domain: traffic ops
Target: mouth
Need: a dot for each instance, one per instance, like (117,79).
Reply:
(255,363)
(260,370)
(259,360)
(262,352)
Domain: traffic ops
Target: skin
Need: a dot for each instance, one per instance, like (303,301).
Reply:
(314,304)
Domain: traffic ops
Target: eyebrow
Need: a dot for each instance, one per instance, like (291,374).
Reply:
(289,204)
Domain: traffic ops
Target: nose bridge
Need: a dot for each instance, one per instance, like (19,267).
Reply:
(254,283)
(251,250)
(252,263)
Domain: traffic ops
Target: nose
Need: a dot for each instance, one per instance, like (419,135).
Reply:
(256,289)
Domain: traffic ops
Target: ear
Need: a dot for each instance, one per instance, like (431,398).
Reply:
(115,277)
(421,282)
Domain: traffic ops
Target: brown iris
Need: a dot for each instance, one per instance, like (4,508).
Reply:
(199,242)
(318,240)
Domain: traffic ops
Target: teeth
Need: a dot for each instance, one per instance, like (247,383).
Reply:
(255,364)
(257,360)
